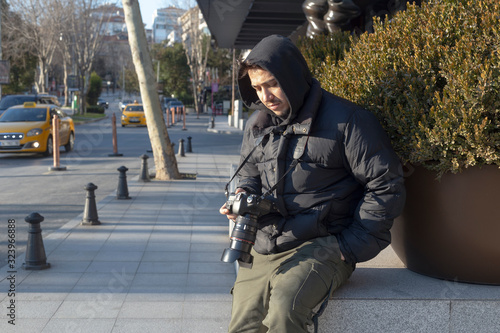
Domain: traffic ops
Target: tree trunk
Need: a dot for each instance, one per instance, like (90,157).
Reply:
(163,152)
(85,91)
(39,82)
(195,95)
(65,82)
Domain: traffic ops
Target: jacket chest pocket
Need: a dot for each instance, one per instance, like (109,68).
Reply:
(266,162)
(267,170)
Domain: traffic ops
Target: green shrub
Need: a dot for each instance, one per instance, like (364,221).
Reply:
(431,74)
(316,50)
(95,89)
(95,109)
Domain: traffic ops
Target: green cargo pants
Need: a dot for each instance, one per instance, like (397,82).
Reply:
(280,292)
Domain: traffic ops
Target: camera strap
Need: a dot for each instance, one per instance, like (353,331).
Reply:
(297,154)
(226,189)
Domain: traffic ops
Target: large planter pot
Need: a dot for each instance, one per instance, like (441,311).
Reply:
(450,229)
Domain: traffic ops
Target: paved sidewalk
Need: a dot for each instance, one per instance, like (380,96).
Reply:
(221,125)
(153,265)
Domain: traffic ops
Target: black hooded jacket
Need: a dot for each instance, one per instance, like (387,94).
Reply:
(347,182)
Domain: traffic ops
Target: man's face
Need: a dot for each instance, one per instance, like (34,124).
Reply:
(269,91)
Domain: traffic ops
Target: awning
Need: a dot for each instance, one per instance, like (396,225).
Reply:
(243,23)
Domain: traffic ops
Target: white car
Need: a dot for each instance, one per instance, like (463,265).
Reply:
(124,103)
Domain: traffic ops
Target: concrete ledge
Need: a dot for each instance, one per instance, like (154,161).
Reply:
(383,296)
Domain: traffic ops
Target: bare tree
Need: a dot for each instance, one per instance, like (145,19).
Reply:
(35,33)
(164,156)
(63,13)
(42,27)
(196,45)
(85,39)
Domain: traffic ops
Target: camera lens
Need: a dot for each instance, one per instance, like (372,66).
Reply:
(242,240)
(245,230)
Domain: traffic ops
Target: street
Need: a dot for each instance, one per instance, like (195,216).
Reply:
(28,186)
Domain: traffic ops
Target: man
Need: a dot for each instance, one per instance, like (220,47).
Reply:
(336,182)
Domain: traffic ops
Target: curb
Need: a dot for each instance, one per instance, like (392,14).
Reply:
(214,130)
(82,122)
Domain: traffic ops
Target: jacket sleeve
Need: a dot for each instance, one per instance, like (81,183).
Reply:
(374,164)
(249,175)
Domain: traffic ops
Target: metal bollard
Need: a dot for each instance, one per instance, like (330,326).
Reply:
(212,122)
(144,169)
(183,112)
(181,147)
(122,190)
(35,258)
(114,138)
(55,145)
(90,211)
(172,111)
(189,147)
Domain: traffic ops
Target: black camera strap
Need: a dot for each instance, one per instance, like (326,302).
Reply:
(297,154)
(226,190)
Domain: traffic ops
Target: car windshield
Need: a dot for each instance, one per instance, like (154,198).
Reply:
(20,114)
(9,101)
(134,108)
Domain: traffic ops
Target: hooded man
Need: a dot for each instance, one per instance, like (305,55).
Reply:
(334,178)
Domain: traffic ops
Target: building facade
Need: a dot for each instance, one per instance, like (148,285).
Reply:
(165,26)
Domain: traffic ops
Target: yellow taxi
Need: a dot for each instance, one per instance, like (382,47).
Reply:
(133,114)
(27,128)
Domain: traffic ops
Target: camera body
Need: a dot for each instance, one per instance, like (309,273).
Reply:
(252,204)
(248,207)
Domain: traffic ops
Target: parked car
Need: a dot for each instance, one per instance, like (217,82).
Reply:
(133,114)
(27,128)
(103,103)
(12,100)
(124,103)
(167,100)
(174,104)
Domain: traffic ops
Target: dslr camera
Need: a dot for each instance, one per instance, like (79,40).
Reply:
(248,207)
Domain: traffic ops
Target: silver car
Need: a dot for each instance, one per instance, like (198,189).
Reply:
(124,103)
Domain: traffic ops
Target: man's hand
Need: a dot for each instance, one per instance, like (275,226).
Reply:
(224,211)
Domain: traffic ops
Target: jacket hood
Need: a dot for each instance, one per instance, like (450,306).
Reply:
(279,56)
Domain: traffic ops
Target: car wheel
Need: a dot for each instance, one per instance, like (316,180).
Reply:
(49,151)
(71,142)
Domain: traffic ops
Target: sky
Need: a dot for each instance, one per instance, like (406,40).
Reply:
(148,6)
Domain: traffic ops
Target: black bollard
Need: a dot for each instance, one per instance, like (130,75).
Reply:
(35,258)
(189,148)
(144,169)
(181,147)
(212,122)
(122,190)
(90,212)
